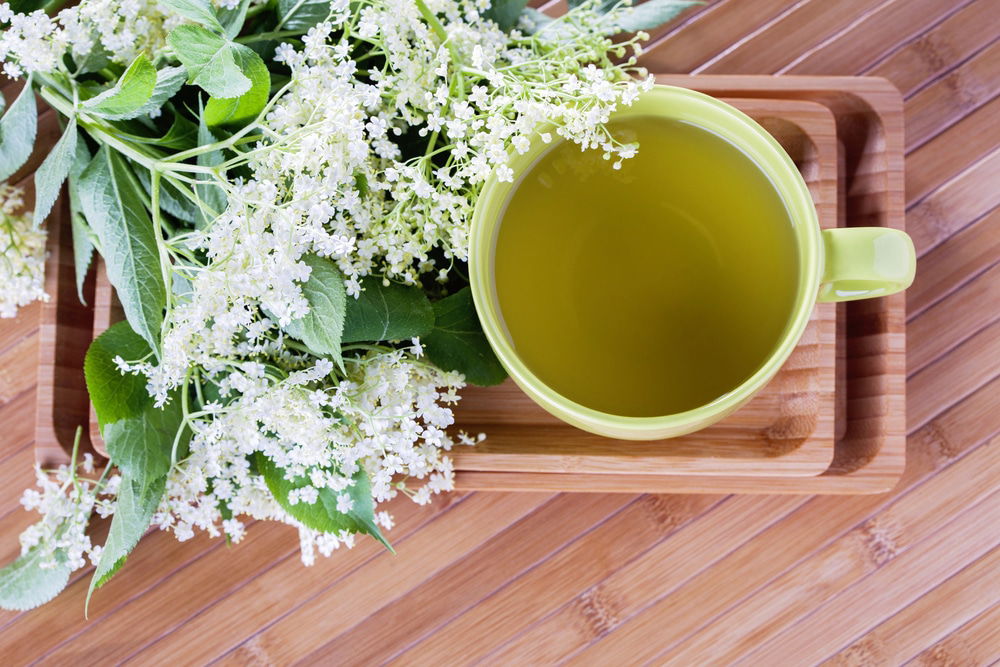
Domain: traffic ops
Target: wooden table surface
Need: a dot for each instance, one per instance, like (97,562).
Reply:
(613,579)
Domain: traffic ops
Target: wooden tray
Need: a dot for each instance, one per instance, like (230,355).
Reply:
(788,429)
(871,367)
(870,373)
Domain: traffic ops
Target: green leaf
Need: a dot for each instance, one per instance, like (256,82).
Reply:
(24,585)
(322,515)
(302,14)
(116,396)
(602,6)
(199,11)
(322,327)
(83,248)
(181,135)
(245,107)
(650,14)
(26,6)
(232,19)
(209,193)
(393,312)
(171,200)
(52,172)
(505,12)
(133,514)
(96,59)
(361,183)
(133,89)
(168,81)
(17,132)
(457,342)
(141,446)
(114,207)
(210,60)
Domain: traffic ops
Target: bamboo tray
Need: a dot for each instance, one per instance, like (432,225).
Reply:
(787,430)
(870,441)
(869,416)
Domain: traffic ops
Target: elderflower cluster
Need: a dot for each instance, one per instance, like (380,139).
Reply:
(373,155)
(65,500)
(94,32)
(22,254)
(476,98)
(334,176)
(388,416)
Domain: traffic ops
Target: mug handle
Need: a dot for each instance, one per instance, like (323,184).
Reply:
(865,262)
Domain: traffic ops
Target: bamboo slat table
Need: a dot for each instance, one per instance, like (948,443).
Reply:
(539,578)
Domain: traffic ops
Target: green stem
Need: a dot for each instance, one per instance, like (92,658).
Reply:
(267,36)
(61,105)
(52,5)
(154,207)
(184,421)
(257,9)
(432,20)
(198,389)
(233,140)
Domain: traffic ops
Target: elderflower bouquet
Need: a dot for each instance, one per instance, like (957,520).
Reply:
(281,192)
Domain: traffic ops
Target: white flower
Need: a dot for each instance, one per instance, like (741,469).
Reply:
(344,503)
(334,175)
(22,255)
(65,502)
(234,529)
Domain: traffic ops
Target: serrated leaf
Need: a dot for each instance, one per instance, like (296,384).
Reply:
(322,327)
(210,60)
(649,15)
(244,108)
(132,90)
(114,208)
(168,81)
(505,12)
(199,11)
(24,585)
(302,14)
(17,132)
(457,342)
(142,445)
(232,19)
(393,312)
(116,396)
(133,514)
(52,172)
(83,248)
(322,515)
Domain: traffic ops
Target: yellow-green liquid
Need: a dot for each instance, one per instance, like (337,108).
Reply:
(652,289)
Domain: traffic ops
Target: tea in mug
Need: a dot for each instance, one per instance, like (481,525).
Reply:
(652,289)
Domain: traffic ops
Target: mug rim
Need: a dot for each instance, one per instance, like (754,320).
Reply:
(746,134)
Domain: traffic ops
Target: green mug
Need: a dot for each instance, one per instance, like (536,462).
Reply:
(834,265)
